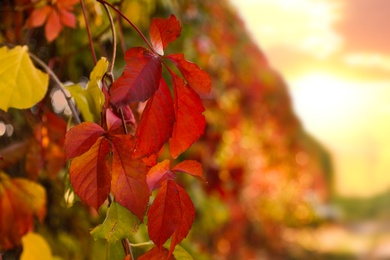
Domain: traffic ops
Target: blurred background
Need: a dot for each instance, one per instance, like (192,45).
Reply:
(335,58)
(296,152)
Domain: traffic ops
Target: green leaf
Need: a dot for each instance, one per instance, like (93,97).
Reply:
(120,223)
(181,254)
(21,84)
(115,251)
(91,99)
(79,95)
(94,94)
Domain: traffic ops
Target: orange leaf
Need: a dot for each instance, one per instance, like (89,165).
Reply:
(80,139)
(164,31)
(190,122)
(90,176)
(191,167)
(171,214)
(156,122)
(53,26)
(38,16)
(67,18)
(128,177)
(196,78)
(20,200)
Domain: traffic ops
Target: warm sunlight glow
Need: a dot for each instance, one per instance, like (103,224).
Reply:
(307,22)
(351,118)
(326,101)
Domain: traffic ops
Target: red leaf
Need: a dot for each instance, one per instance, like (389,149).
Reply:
(196,78)
(164,31)
(113,121)
(53,26)
(90,176)
(156,254)
(128,177)
(38,17)
(191,167)
(171,214)
(159,173)
(156,124)
(190,122)
(139,80)
(80,138)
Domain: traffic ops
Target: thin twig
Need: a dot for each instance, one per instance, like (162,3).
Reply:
(59,83)
(88,31)
(123,120)
(127,246)
(127,20)
(121,36)
(111,68)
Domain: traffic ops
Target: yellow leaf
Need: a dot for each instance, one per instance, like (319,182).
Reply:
(94,93)
(35,247)
(21,84)
(91,99)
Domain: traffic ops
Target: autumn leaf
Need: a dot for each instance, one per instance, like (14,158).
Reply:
(90,175)
(21,84)
(190,122)
(120,223)
(191,167)
(20,201)
(156,122)
(113,121)
(170,215)
(56,17)
(156,254)
(80,139)
(35,247)
(196,78)
(158,174)
(164,31)
(139,80)
(91,99)
(128,177)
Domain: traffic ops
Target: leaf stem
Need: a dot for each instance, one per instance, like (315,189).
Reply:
(111,68)
(132,25)
(59,83)
(123,120)
(88,32)
(142,244)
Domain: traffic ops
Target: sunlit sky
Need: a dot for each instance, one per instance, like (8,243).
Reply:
(335,56)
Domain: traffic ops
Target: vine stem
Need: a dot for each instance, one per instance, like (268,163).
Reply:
(127,20)
(125,242)
(88,31)
(111,68)
(59,83)
(121,36)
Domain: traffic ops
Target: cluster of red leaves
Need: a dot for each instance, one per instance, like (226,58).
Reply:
(104,160)
(55,16)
